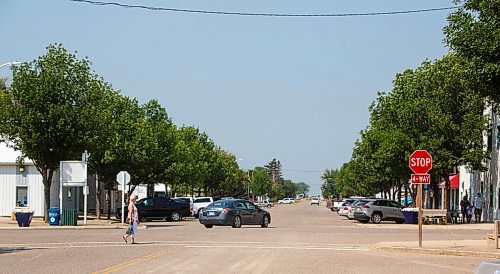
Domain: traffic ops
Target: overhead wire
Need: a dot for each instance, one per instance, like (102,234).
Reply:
(101,3)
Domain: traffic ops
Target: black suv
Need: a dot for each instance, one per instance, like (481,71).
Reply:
(159,208)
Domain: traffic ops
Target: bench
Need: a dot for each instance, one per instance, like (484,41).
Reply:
(434,216)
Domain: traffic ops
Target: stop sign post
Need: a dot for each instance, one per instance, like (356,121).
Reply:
(420,164)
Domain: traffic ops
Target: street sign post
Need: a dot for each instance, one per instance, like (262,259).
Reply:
(420,164)
(123,178)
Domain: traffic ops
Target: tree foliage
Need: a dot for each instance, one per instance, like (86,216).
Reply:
(434,107)
(473,32)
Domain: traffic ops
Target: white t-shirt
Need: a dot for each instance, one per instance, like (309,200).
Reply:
(478,202)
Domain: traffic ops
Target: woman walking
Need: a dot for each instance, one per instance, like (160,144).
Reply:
(132,220)
(465,205)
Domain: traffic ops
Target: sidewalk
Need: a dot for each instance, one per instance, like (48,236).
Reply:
(6,223)
(469,248)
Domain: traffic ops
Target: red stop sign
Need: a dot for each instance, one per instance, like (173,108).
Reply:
(420,161)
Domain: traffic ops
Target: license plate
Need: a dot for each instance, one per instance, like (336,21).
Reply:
(211,213)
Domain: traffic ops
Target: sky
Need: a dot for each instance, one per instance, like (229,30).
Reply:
(294,89)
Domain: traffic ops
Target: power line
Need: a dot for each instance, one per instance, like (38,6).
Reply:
(304,171)
(99,3)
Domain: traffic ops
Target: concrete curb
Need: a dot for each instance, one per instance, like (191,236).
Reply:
(63,227)
(437,251)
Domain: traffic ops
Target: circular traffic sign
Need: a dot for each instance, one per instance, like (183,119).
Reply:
(420,161)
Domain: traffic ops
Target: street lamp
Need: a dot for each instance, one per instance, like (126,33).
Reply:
(10,64)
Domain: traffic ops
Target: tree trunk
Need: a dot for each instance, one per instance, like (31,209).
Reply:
(406,194)
(108,186)
(98,192)
(446,190)
(47,182)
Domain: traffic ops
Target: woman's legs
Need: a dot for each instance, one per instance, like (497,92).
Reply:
(134,231)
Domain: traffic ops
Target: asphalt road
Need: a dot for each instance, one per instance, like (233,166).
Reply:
(301,238)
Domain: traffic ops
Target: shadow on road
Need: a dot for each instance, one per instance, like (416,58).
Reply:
(152,226)
(8,250)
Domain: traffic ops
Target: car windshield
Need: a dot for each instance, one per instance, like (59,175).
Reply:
(202,200)
(362,202)
(220,203)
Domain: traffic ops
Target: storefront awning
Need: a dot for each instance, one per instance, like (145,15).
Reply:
(454,181)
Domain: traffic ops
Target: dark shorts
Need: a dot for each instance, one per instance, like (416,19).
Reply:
(478,211)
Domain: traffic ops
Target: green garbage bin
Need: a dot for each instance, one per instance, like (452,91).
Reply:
(69,217)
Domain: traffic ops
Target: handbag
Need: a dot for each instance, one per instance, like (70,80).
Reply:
(130,228)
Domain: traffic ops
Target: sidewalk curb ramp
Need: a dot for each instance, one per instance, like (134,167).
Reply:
(437,251)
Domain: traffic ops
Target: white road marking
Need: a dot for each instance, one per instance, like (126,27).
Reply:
(190,244)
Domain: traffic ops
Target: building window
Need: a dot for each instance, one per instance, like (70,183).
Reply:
(22,196)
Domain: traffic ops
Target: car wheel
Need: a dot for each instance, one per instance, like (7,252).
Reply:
(269,206)
(237,222)
(265,221)
(209,226)
(175,216)
(376,218)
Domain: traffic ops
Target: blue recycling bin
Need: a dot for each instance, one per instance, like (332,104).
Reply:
(411,217)
(54,216)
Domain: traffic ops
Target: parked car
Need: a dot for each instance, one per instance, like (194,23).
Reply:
(158,208)
(265,203)
(235,213)
(355,205)
(315,200)
(286,201)
(199,203)
(188,200)
(337,204)
(344,208)
(380,210)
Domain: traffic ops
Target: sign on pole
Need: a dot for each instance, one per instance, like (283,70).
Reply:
(123,178)
(420,164)
(420,179)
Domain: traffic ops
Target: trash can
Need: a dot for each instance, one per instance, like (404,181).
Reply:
(69,217)
(411,217)
(54,216)
(24,219)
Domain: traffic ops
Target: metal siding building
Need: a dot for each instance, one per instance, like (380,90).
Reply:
(16,187)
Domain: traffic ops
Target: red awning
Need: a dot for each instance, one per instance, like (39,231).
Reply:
(454,181)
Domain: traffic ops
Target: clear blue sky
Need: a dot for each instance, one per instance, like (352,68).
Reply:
(295,89)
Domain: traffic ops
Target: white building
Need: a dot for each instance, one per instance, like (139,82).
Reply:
(22,186)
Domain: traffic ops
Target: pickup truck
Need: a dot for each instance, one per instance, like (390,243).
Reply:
(200,203)
(265,203)
(158,208)
(286,201)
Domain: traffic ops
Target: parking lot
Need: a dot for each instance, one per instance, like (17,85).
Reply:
(300,238)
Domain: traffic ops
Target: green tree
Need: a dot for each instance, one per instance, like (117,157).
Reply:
(261,184)
(433,107)
(473,32)
(329,186)
(49,113)
(302,188)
